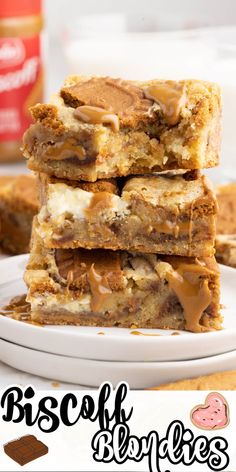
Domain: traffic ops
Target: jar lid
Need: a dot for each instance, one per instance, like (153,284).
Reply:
(12,8)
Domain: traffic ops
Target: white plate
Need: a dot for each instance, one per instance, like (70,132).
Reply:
(117,344)
(93,373)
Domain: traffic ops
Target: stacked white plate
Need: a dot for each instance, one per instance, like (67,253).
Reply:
(82,355)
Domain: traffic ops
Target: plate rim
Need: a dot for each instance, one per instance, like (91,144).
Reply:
(168,364)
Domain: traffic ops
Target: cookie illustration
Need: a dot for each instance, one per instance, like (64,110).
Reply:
(214,414)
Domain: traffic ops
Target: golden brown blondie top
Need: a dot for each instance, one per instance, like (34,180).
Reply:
(138,128)
(134,103)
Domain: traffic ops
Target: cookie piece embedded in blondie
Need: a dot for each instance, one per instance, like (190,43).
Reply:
(99,127)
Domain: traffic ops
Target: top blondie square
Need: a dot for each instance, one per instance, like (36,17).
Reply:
(101,127)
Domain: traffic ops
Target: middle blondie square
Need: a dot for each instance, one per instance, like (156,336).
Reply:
(167,214)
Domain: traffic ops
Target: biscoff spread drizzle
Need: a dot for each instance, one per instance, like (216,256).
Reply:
(139,333)
(171,96)
(65,150)
(97,115)
(99,288)
(191,286)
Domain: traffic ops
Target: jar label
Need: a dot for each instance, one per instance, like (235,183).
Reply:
(20,84)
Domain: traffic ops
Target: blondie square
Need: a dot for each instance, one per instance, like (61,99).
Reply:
(167,214)
(226,225)
(100,127)
(117,288)
(18,205)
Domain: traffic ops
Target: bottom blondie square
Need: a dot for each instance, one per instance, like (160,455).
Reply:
(18,205)
(117,288)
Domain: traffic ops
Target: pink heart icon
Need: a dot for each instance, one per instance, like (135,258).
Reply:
(214,414)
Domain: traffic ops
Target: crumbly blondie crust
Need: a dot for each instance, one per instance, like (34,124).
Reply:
(219,381)
(170,214)
(115,288)
(226,225)
(18,205)
(98,127)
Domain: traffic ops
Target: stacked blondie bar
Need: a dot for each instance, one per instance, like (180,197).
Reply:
(125,233)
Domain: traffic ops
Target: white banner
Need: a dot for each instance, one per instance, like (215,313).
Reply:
(110,430)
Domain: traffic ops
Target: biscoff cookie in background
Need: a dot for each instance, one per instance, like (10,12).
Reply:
(219,381)
(226,225)
(18,205)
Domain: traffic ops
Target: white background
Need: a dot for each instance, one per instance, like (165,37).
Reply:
(206,60)
(69,447)
(146,15)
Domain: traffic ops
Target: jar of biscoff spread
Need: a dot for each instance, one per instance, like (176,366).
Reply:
(21,81)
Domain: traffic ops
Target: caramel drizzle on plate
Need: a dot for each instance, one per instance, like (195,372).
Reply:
(193,292)
(139,333)
(97,115)
(171,96)
(19,309)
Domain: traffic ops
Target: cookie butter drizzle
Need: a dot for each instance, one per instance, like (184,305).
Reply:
(192,291)
(97,115)
(171,96)
(66,150)
(99,288)
(139,333)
